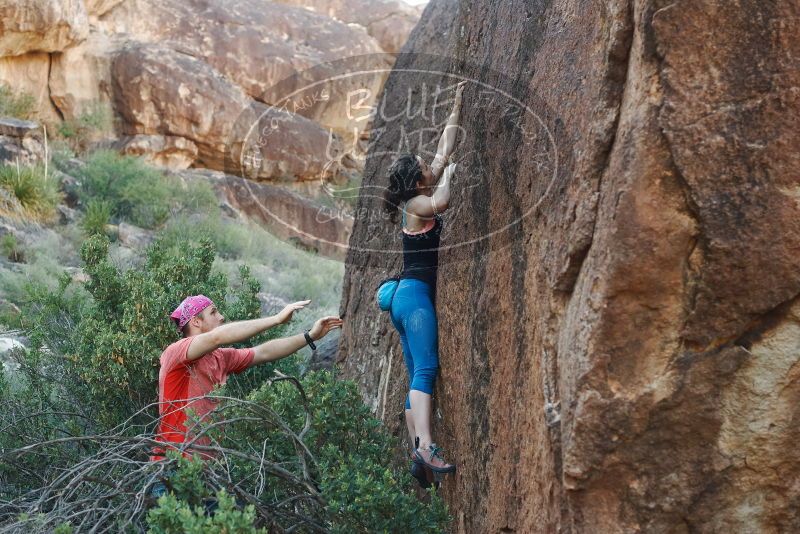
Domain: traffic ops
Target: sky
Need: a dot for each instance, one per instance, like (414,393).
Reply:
(416,2)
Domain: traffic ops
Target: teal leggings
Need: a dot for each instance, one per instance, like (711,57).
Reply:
(414,317)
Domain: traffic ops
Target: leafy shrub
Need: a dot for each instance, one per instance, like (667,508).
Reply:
(9,316)
(33,195)
(363,493)
(122,334)
(11,248)
(231,239)
(45,258)
(138,193)
(17,105)
(176,516)
(302,453)
(347,452)
(94,351)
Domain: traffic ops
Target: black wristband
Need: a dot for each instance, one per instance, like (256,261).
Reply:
(309,340)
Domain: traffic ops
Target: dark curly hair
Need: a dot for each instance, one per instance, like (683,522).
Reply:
(404,174)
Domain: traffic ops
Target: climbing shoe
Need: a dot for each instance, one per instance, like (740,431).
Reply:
(432,459)
(420,472)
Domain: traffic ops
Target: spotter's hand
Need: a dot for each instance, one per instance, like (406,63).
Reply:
(323,326)
(285,315)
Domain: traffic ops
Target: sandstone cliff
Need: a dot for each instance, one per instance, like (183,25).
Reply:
(183,77)
(619,321)
(251,88)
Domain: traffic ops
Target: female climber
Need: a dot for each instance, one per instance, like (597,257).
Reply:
(425,192)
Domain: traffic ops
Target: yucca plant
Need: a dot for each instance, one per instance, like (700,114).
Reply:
(31,193)
(96,217)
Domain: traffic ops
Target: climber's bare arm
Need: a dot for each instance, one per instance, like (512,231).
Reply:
(447,141)
(427,206)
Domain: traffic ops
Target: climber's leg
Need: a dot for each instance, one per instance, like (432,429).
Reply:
(399,308)
(427,452)
(421,329)
(414,317)
(410,425)
(421,332)
(421,415)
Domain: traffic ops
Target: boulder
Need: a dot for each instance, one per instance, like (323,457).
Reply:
(271,304)
(284,213)
(618,284)
(277,54)
(161,92)
(9,344)
(171,152)
(41,25)
(19,128)
(66,215)
(324,358)
(133,237)
(21,142)
(388,21)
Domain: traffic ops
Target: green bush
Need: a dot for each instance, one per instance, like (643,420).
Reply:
(347,457)
(93,357)
(96,217)
(9,316)
(17,105)
(138,193)
(93,123)
(33,195)
(121,336)
(176,516)
(362,490)
(87,384)
(11,248)
(231,239)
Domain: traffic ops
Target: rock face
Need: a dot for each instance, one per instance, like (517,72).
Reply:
(97,8)
(284,213)
(159,91)
(269,57)
(618,289)
(41,25)
(29,73)
(20,142)
(388,21)
(80,76)
(254,45)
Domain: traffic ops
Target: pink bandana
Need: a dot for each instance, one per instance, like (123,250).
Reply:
(190,307)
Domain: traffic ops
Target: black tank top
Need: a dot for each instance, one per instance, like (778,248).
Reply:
(421,253)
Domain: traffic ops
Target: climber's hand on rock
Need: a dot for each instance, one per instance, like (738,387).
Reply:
(449,171)
(460,91)
(323,326)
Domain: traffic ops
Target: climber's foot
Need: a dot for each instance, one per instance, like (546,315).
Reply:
(421,473)
(431,457)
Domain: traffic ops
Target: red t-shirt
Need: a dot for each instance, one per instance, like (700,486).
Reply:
(180,379)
